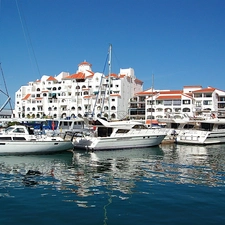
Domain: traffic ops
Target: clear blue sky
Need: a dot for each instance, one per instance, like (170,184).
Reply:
(181,42)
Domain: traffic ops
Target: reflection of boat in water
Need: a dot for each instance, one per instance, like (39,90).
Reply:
(84,177)
(34,169)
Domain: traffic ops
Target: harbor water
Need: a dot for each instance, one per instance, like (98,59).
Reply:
(168,184)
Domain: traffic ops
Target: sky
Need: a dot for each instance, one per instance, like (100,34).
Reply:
(181,42)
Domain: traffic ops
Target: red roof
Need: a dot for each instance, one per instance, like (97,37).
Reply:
(205,90)
(112,75)
(138,81)
(51,78)
(26,97)
(171,92)
(79,75)
(166,97)
(84,63)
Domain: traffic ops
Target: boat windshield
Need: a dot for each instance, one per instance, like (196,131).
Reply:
(9,129)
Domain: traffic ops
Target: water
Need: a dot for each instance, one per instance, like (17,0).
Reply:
(170,184)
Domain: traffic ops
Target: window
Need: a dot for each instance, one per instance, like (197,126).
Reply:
(207,102)
(176,102)
(150,102)
(208,95)
(167,102)
(186,102)
(197,95)
(198,104)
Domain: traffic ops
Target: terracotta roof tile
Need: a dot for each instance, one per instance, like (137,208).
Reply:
(205,90)
(138,81)
(122,75)
(51,78)
(92,73)
(85,63)
(26,97)
(166,97)
(79,75)
(171,92)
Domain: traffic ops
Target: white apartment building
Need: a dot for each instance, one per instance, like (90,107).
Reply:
(192,100)
(78,95)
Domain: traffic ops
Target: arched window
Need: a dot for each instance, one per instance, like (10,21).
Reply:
(168,110)
(63,115)
(150,110)
(113,108)
(186,110)
(150,117)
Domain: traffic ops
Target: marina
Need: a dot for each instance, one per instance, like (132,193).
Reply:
(87,139)
(172,184)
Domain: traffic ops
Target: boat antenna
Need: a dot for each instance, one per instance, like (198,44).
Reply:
(110,69)
(152,97)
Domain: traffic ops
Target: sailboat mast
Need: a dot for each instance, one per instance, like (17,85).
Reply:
(110,68)
(152,97)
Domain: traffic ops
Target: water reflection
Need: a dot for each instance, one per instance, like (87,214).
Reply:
(80,175)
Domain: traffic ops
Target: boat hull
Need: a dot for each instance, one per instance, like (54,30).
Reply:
(33,147)
(200,137)
(112,143)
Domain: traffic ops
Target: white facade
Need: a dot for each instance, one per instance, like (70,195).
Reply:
(78,95)
(192,101)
